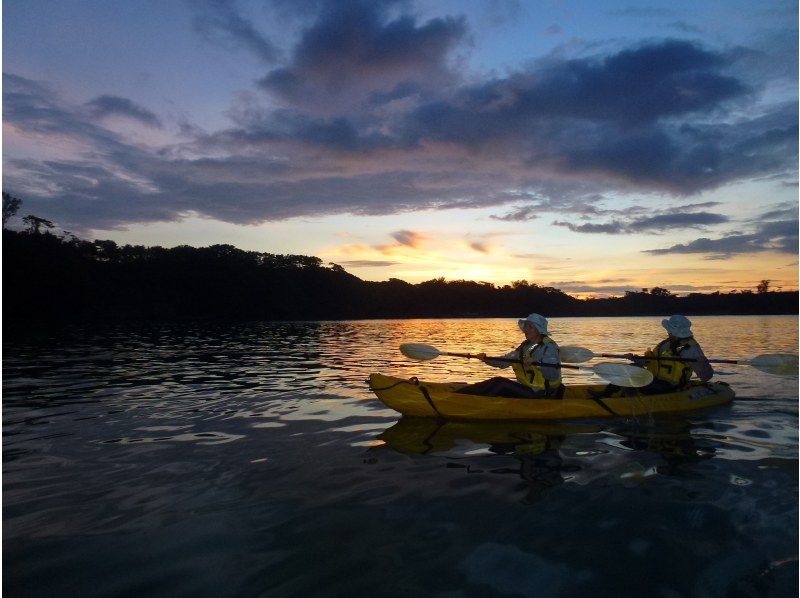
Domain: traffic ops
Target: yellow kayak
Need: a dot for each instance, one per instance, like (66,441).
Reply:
(416,398)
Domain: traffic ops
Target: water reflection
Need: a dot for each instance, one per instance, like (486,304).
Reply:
(549,454)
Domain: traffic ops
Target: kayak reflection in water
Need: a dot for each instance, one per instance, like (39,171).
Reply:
(668,374)
(540,464)
(534,378)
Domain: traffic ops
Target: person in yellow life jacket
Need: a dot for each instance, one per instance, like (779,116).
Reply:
(538,371)
(670,375)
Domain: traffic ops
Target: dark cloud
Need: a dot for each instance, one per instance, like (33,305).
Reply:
(290,126)
(660,80)
(572,117)
(688,159)
(781,211)
(358,48)
(220,19)
(518,215)
(779,236)
(609,228)
(677,220)
(725,246)
(106,105)
(402,90)
(670,219)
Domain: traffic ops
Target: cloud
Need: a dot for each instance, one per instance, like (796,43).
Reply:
(677,220)
(659,80)
(570,117)
(219,20)
(106,105)
(32,107)
(389,126)
(695,206)
(367,263)
(522,214)
(293,127)
(725,246)
(784,211)
(479,246)
(610,228)
(356,48)
(781,237)
(408,238)
(658,222)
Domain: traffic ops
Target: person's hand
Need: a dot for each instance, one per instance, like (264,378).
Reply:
(630,356)
(482,357)
(528,359)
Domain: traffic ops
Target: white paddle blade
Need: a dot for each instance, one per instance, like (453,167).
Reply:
(623,374)
(419,351)
(574,354)
(781,364)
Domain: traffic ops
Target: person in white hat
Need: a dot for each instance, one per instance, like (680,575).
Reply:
(668,374)
(680,342)
(538,371)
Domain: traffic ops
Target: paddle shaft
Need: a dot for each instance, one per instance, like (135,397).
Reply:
(512,360)
(684,359)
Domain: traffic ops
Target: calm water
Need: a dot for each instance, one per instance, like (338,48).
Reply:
(251,460)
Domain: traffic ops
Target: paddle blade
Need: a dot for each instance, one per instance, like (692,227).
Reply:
(575,354)
(781,364)
(623,374)
(419,351)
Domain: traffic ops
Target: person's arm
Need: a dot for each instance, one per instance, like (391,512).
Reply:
(548,354)
(701,367)
(498,364)
(640,361)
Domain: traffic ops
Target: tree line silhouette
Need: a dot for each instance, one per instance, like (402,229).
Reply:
(58,277)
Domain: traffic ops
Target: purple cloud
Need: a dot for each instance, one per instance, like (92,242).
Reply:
(106,105)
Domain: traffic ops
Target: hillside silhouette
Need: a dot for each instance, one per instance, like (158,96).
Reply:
(50,278)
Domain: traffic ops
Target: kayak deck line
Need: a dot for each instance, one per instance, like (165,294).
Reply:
(415,398)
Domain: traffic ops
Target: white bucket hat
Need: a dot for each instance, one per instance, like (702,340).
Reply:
(678,326)
(539,321)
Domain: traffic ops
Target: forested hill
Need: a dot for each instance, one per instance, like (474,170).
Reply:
(48,278)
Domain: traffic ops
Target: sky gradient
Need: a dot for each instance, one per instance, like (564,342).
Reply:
(596,147)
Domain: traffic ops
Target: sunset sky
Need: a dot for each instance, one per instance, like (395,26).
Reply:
(594,146)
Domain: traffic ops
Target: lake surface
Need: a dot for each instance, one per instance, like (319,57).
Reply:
(252,460)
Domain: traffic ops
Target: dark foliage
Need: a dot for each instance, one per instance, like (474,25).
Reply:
(53,279)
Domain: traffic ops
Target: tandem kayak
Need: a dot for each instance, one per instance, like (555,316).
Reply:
(416,398)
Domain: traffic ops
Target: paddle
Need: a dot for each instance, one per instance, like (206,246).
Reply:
(620,374)
(781,364)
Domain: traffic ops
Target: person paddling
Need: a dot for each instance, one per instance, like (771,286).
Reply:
(670,375)
(533,380)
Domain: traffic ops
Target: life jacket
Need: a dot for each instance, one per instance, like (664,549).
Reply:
(676,373)
(531,375)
